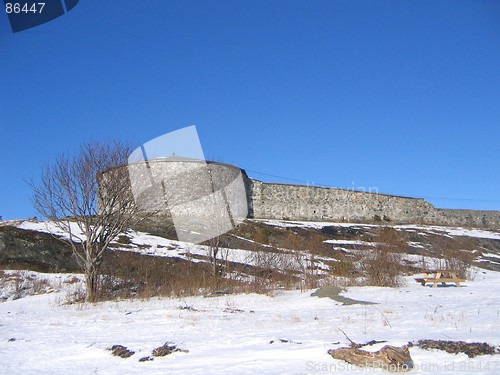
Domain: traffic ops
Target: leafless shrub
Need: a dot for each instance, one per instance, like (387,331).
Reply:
(262,235)
(343,268)
(383,265)
(272,270)
(302,259)
(41,286)
(75,295)
(131,275)
(268,263)
(457,255)
(217,256)
(383,268)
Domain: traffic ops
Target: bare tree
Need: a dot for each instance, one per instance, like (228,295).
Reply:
(92,208)
(216,266)
(218,259)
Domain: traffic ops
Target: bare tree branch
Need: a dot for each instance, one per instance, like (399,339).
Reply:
(74,192)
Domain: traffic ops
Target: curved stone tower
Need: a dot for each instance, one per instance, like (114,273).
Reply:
(204,199)
(210,198)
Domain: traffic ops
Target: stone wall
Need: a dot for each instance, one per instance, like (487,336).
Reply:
(168,182)
(299,202)
(470,218)
(203,199)
(293,202)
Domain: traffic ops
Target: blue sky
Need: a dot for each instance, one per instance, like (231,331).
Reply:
(403,96)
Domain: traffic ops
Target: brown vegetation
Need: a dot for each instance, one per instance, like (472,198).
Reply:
(383,266)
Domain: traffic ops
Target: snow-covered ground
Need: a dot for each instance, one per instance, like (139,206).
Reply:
(288,332)
(232,334)
(452,231)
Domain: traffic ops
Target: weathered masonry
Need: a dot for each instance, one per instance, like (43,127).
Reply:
(300,202)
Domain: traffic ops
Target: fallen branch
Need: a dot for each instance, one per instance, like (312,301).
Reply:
(356,345)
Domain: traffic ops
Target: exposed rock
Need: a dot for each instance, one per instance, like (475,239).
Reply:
(285,341)
(36,251)
(332,292)
(233,310)
(121,351)
(166,349)
(472,349)
(187,308)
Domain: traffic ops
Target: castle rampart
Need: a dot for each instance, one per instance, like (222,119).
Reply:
(300,202)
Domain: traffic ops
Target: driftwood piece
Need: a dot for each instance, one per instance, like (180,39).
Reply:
(391,358)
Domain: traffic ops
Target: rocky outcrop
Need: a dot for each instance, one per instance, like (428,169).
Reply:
(20,248)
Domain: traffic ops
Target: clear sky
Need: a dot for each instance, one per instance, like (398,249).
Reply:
(399,95)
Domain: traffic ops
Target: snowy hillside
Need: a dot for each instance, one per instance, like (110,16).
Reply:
(486,245)
(43,330)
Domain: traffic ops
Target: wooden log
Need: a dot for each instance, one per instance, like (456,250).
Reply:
(391,358)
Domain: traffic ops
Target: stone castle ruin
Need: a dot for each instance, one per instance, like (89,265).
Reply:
(266,200)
